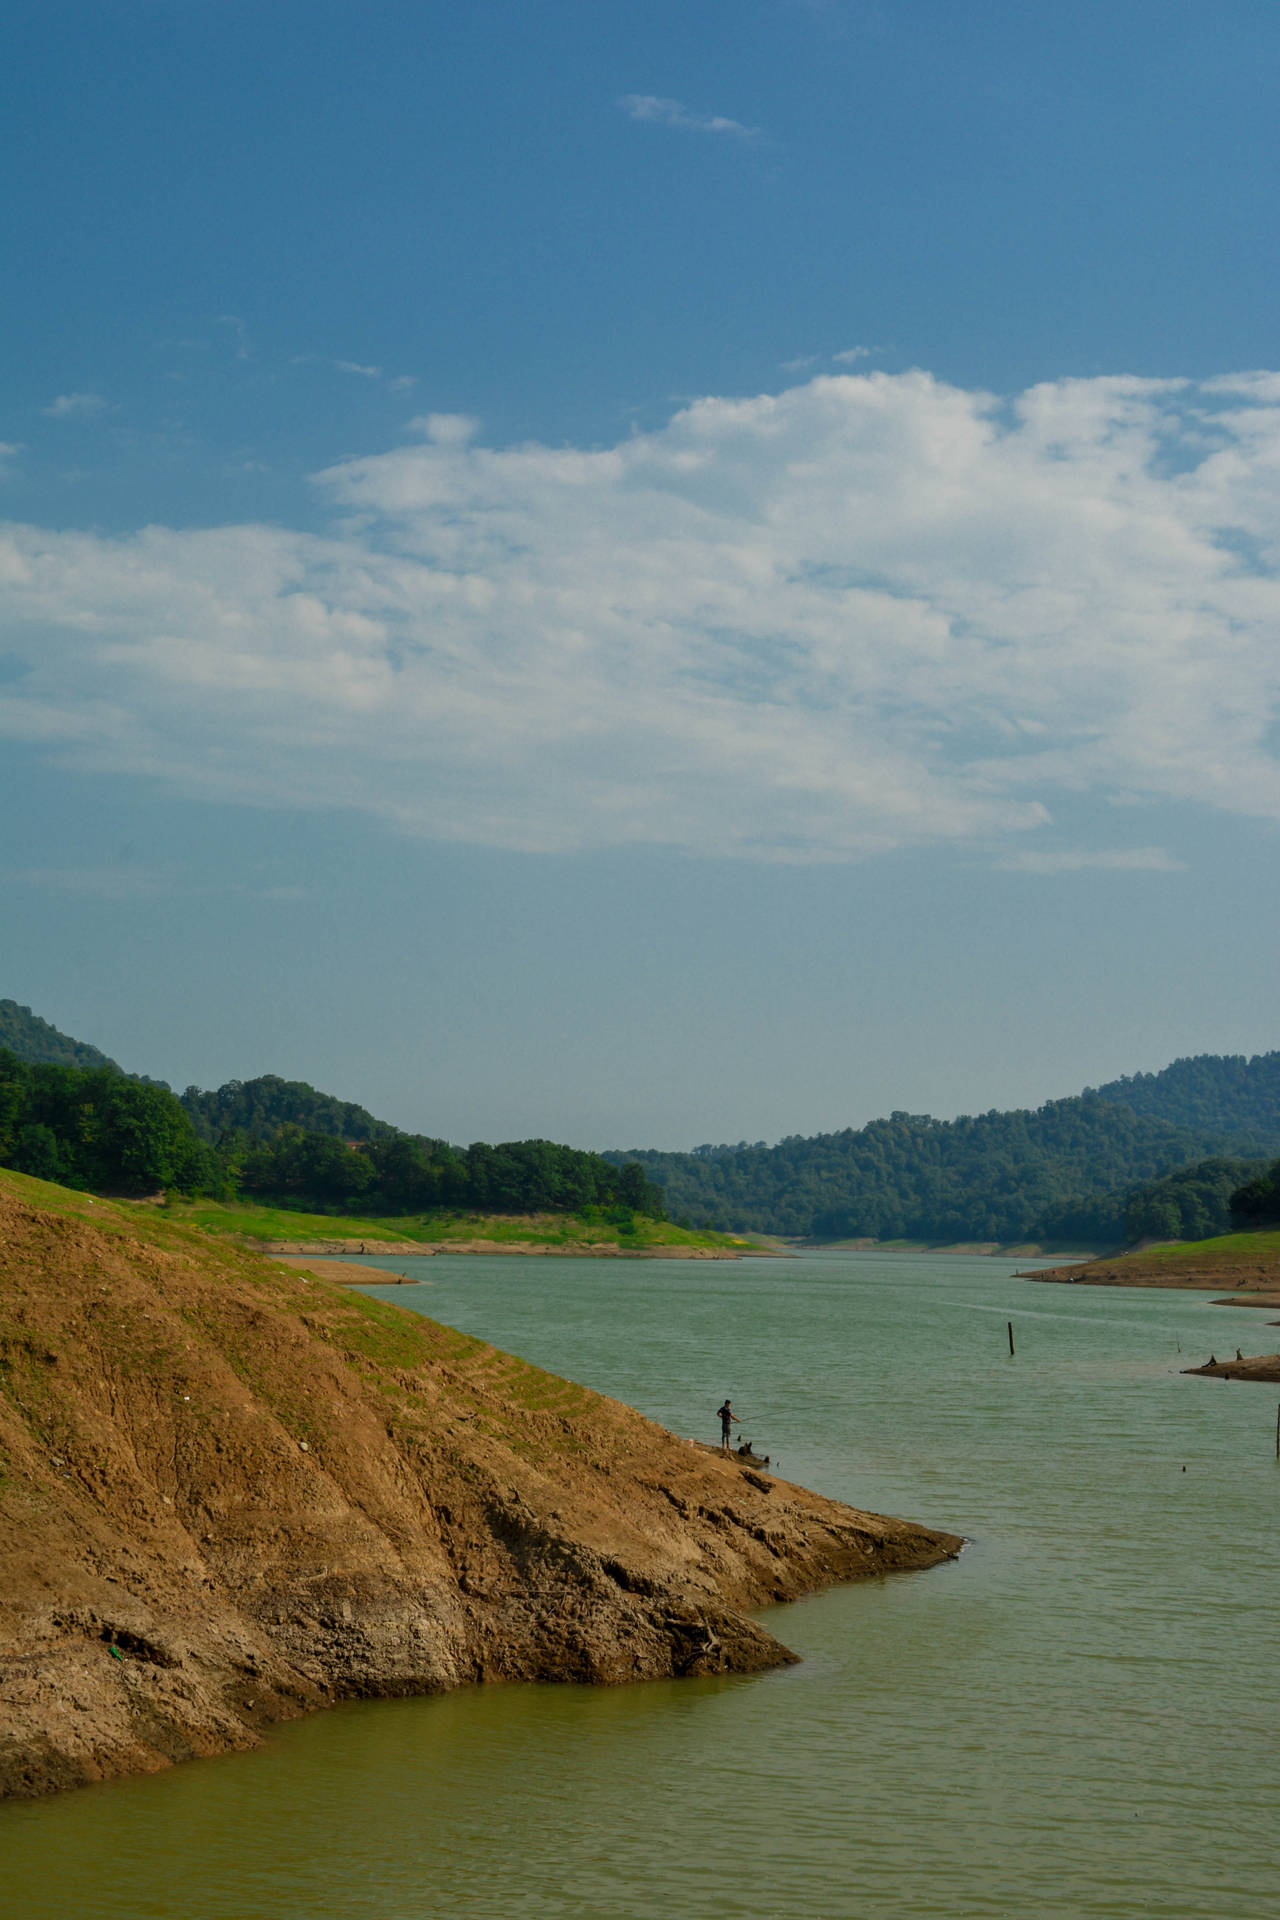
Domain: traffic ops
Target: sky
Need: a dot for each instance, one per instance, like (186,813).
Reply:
(642,574)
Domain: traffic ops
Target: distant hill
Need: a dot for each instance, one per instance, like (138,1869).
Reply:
(260,1107)
(34,1040)
(1231,1096)
(1058,1175)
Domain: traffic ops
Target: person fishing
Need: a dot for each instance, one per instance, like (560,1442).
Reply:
(727,1419)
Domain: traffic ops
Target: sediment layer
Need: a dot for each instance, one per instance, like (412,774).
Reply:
(231,1492)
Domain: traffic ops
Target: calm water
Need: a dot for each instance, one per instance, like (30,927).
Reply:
(1076,1719)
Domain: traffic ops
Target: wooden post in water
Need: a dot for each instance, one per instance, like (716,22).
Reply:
(1011,1353)
(1278,1433)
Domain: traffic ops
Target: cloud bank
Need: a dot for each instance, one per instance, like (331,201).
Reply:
(867,613)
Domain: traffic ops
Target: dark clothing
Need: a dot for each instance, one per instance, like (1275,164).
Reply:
(726,1420)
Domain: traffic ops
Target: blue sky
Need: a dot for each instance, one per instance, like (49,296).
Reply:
(643,574)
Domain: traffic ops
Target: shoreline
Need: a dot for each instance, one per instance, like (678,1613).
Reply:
(423,1249)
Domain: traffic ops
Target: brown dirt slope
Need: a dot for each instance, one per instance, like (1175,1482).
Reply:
(231,1492)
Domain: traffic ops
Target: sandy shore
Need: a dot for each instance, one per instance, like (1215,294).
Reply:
(343,1274)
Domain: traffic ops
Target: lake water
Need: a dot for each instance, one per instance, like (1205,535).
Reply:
(1077,1718)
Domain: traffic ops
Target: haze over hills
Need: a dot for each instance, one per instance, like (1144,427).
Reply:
(1104,1166)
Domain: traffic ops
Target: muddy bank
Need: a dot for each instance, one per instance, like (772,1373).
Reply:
(231,1492)
(344,1273)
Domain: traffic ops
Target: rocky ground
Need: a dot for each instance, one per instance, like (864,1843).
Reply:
(232,1492)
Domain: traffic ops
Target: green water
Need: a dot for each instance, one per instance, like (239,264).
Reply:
(1076,1719)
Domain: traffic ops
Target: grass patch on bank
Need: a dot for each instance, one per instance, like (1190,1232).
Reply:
(246,1220)
(1262,1245)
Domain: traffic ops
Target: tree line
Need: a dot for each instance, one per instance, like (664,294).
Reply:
(1063,1174)
(102,1131)
(1257,1202)
(1192,1203)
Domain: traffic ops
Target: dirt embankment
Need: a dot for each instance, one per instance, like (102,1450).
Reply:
(1254,1283)
(231,1492)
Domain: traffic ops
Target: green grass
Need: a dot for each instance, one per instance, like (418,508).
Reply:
(246,1220)
(1263,1244)
(43,1193)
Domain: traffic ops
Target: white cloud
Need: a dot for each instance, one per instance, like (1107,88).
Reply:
(673,113)
(9,451)
(446,429)
(69,406)
(339,366)
(1118,860)
(869,612)
(846,358)
(244,347)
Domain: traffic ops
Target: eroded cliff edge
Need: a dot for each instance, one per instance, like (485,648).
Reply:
(231,1493)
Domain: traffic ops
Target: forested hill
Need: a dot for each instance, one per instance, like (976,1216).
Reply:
(259,1107)
(1231,1096)
(29,1037)
(1058,1175)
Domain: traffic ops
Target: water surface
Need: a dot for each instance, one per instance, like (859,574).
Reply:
(1075,1719)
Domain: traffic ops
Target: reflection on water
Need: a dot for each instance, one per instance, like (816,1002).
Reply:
(1076,1719)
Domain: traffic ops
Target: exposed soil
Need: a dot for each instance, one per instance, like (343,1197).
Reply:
(344,1274)
(231,1492)
(1256,1282)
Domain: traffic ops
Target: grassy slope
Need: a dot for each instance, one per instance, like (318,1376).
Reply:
(1224,1250)
(243,1220)
(248,1221)
(1246,1262)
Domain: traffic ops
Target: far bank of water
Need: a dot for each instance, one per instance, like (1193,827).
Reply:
(1076,1719)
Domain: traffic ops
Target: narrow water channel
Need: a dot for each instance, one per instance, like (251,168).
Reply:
(1078,1718)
